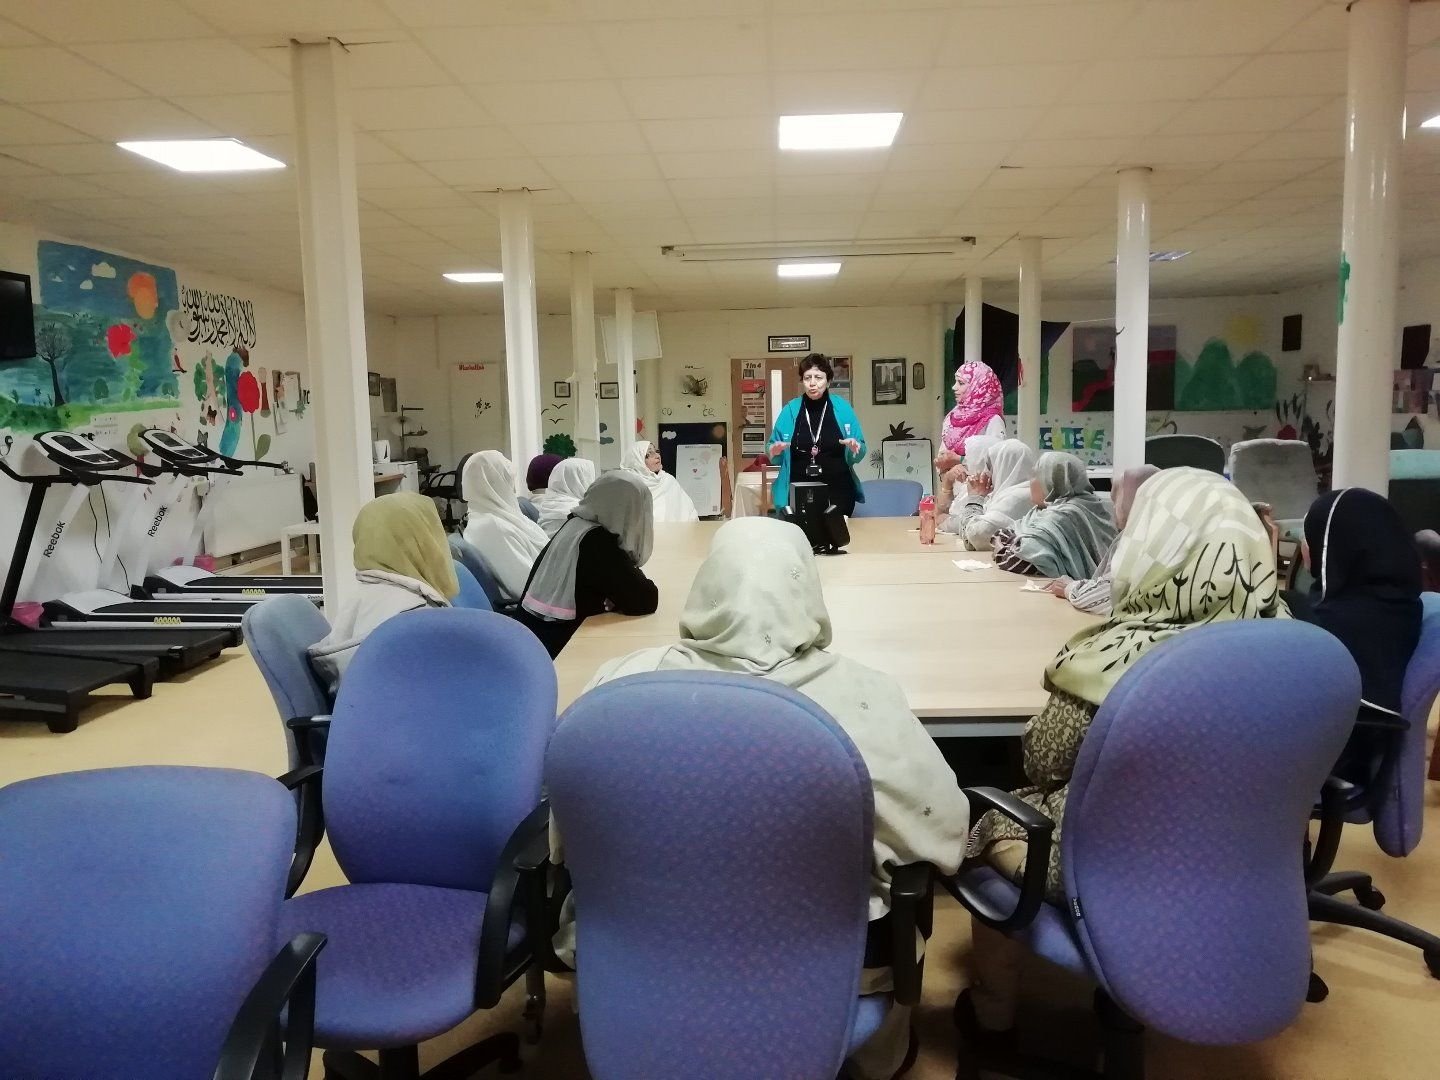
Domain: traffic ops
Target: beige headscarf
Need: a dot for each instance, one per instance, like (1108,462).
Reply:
(1193,552)
(756,608)
(507,540)
(401,534)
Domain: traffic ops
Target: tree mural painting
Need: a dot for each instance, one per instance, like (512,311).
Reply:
(1215,383)
(52,344)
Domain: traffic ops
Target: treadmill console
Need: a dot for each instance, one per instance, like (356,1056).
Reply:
(73,451)
(174,450)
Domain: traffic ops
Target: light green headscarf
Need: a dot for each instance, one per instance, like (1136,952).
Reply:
(1069,535)
(1193,552)
(401,534)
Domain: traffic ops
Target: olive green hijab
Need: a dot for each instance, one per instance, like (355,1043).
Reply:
(401,534)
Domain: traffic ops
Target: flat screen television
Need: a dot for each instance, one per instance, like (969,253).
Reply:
(17,317)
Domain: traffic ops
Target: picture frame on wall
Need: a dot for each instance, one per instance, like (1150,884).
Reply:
(609,391)
(374,381)
(562,389)
(389,398)
(841,364)
(917,375)
(887,381)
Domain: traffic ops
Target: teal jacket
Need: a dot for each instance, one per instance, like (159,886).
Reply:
(784,431)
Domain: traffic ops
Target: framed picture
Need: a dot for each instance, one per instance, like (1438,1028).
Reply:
(389,399)
(887,381)
(917,375)
(562,389)
(788,343)
(609,391)
(374,384)
(841,364)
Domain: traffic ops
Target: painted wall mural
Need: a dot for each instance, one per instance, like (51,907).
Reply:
(1092,377)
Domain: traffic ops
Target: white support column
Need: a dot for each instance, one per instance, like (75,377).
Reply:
(625,361)
(1370,243)
(334,302)
(650,399)
(974,305)
(1028,397)
(522,330)
(582,351)
(1132,319)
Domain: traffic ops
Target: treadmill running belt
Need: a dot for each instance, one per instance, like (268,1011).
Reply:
(179,610)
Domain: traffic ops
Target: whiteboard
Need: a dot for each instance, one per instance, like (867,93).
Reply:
(908,459)
(697,468)
(646,333)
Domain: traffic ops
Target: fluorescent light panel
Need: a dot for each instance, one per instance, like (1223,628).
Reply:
(807,269)
(476,277)
(827,250)
(841,131)
(203,155)
(1167,256)
(1433,122)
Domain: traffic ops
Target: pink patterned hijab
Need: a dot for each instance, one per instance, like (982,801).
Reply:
(983,401)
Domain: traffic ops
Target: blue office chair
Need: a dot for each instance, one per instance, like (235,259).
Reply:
(471,594)
(430,786)
(717,831)
(529,509)
(890,498)
(1185,451)
(463,552)
(142,907)
(1182,848)
(279,631)
(1392,803)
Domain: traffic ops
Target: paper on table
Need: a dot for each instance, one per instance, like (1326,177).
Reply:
(971,565)
(1036,586)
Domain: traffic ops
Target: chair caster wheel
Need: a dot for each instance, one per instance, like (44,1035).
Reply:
(1370,898)
(1432,961)
(1318,991)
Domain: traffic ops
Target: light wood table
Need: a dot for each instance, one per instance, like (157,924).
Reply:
(969,649)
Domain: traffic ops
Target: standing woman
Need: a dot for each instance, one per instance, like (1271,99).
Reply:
(672,502)
(979,410)
(506,539)
(818,438)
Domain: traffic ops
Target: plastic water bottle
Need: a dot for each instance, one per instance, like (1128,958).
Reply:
(927,520)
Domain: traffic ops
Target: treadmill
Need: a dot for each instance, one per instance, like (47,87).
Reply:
(192,460)
(79,611)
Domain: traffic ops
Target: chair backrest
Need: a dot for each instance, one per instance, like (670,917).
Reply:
(1397,805)
(465,553)
(528,508)
(1415,487)
(1184,821)
(717,830)
(472,594)
(1184,451)
(437,747)
(1280,472)
(890,498)
(143,904)
(278,631)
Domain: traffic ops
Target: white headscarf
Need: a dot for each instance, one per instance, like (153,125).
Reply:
(671,501)
(618,503)
(756,608)
(1011,465)
(568,483)
(506,539)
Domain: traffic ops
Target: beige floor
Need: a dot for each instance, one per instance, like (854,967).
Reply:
(1375,1025)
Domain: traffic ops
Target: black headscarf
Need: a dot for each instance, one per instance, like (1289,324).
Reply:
(1367,586)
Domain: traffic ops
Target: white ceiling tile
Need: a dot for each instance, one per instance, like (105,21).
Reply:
(51,188)
(243,114)
(822,204)
(1326,28)
(937,180)
(17,126)
(811,185)
(1423,70)
(731,230)
(1330,116)
(1018,34)
(381,64)
(741,187)
(716,163)
(1019,85)
(46,74)
(370,150)
(11,34)
(728,46)
(393,174)
(518,172)
(846,91)
(1210,28)
(505,54)
(452,144)
(603,195)
(188,67)
(562,140)
(67,21)
(414,198)
(698,96)
(950,200)
(571,101)
(1286,74)
(839,162)
(1164,150)
(128,119)
(1115,120)
(1226,115)
(1298,145)
(951,156)
(81,158)
(963,125)
(1172,79)
(407,108)
(716,133)
(891,39)
(601,167)
(762,206)
(1056,153)
(283,19)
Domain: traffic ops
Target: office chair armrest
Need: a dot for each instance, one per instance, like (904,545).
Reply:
(308,723)
(1334,798)
(1039,835)
(912,897)
(302,727)
(310,829)
(287,982)
(509,891)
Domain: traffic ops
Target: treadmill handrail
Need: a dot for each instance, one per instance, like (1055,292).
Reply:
(68,474)
(232,467)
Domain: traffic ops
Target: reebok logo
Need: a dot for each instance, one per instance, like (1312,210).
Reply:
(155,525)
(54,538)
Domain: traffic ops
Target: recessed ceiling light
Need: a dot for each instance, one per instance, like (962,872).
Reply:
(481,277)
(841,131)
(1433,122)
(1167,256)
(203,155)
(807,269)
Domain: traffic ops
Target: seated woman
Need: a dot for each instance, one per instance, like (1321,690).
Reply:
(537,473)
(402,562)
(593,563)
(1367,593)
(997,494)
(1092,594)
(506,539)
(1194,554)
(672,503)
(755,608)
(568,484)
(1066,533)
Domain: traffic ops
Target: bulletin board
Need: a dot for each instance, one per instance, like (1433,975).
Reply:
(908,459)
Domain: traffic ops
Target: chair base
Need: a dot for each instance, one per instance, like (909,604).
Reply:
(403,1062)
(1325,907)
(997,1053)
